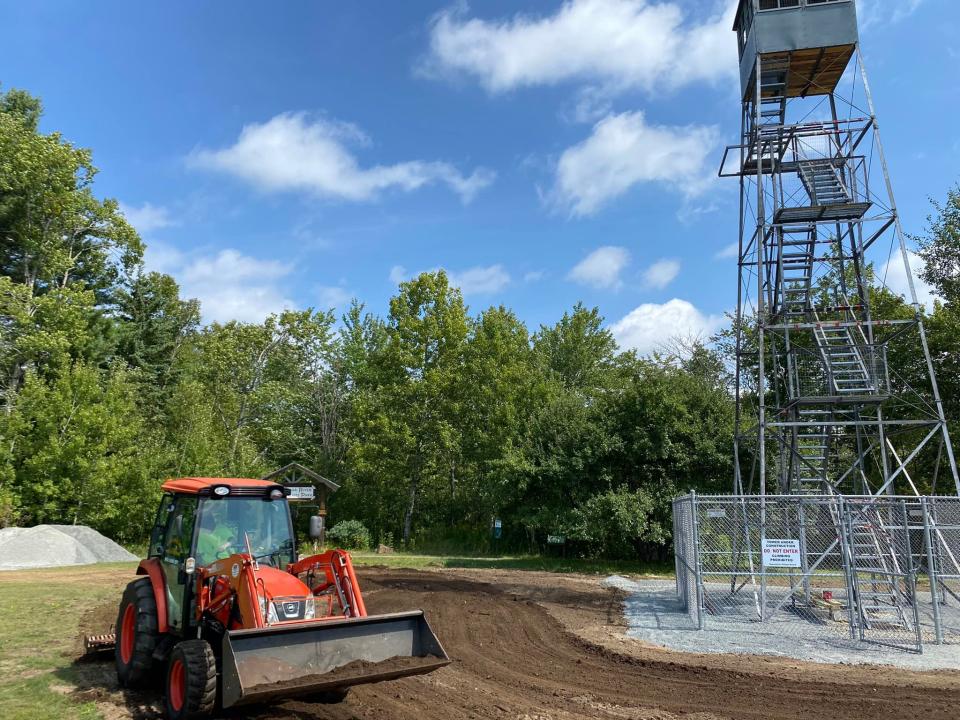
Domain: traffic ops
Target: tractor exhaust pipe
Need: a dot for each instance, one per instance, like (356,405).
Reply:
(308,658)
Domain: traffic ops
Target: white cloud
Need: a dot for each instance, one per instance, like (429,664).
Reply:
(729,251)
(161,257)
(398,274)
(649,326)
(602,267)
(661,273)
(481,280)
(472,281)
(229,284)
(147,217)
(883,12)
(894,276)
(618,44)
(533,276)
(332,297)
(234,286)
(624,150)
(293,153)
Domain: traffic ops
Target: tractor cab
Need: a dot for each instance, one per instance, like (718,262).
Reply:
(201,521)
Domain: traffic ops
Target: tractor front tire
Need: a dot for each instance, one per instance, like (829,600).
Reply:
(191,690)
(136,634)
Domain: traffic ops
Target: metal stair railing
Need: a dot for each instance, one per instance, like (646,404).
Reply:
(843,358)
(876,596)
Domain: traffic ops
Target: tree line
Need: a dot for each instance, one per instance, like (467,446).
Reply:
(435,420)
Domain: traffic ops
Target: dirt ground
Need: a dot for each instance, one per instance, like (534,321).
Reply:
(543,646)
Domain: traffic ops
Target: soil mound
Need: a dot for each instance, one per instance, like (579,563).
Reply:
(57,545)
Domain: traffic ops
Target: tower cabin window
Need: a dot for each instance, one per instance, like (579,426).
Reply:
(781,4)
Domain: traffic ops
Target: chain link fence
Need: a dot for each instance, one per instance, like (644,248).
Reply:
(835,569)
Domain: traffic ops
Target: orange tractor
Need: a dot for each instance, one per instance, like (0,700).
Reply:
(231,613)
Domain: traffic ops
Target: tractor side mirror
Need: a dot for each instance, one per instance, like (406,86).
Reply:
(316,527)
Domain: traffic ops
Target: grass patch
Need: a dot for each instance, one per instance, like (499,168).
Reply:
(39,636)
(515,562)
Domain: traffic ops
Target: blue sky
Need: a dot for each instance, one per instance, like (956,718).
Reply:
(313,152)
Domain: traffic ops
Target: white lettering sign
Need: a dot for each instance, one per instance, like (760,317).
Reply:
(301,492)
(781,553)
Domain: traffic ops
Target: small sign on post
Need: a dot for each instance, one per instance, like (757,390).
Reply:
(301,492)
(781,553)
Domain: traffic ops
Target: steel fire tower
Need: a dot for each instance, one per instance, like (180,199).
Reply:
(836,392)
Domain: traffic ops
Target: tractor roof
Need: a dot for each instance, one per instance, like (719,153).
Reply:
(194,485)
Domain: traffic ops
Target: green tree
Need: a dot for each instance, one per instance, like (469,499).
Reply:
(578,350)
(405,417)
(61,249)
(83,452)
(257,379)
(153,326)
(939,248)
(501,386)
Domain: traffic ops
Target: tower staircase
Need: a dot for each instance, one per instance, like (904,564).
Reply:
(813,444)
(881,592)
(797,257)
(773,92)
(823,182)
(843,359)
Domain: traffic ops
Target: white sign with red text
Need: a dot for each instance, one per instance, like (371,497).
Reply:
(781,553)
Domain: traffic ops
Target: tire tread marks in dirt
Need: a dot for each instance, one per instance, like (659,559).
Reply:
(514,660)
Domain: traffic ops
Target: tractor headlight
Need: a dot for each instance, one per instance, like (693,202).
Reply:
(309,608)
(267,611)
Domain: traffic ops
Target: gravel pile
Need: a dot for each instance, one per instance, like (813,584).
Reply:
(55,546)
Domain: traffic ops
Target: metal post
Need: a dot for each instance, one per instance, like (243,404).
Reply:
(696,544)
(933,574)
(845,527)
(804,559)
(909,578)
(738,416)
(760,240)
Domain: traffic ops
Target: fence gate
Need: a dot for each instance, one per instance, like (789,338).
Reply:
(881,580)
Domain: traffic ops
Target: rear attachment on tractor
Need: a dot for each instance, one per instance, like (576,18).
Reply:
(97,644)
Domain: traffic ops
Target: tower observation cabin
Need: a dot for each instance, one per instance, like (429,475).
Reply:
(805,45)
(836,391)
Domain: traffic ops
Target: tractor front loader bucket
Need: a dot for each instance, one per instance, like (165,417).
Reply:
(303,659)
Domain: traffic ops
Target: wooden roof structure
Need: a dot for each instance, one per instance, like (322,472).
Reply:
(297,474)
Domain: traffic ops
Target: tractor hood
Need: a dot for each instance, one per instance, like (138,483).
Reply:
(279,583)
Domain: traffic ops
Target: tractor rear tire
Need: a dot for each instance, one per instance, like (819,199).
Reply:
(191,689)
(136,634)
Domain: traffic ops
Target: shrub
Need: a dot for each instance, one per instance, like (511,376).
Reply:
(617,523)
(349,534)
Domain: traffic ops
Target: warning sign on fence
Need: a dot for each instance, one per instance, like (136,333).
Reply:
(781,553)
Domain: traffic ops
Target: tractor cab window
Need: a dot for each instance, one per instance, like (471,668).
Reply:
(179,528)
(158,533)
(245,525)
